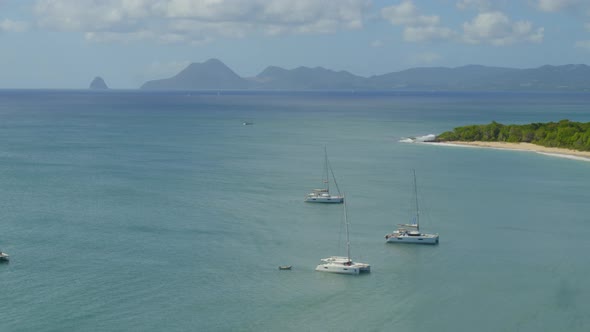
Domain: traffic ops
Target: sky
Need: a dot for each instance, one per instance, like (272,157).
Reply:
(64,44)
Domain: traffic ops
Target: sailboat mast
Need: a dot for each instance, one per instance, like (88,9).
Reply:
(327,180)
(329,171)
(347,236)
(416,197)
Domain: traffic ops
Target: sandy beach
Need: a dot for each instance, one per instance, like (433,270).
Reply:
(558,152)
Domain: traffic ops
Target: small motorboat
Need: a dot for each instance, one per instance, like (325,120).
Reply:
(285,267)
(4,257)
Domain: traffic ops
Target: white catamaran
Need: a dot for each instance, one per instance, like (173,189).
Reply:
(323,195)
(410,233)
(343,265)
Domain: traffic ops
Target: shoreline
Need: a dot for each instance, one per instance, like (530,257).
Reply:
(555,152)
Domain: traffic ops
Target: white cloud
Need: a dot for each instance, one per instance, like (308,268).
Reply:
(198,20)
(163,38)
(556,5)
(417,27)
(585,44)
(476,4)
(407,14)
(497,29)
(13,26)
(491,27)
(87,15)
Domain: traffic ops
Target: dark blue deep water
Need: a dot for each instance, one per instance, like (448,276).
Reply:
(135,211)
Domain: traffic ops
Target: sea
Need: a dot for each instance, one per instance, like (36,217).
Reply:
(132,210)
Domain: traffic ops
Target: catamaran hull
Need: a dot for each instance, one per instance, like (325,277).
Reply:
(343,265)
(338,269)
(332,199)
(413,239)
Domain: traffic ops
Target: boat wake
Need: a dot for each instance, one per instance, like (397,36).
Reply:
(418,139)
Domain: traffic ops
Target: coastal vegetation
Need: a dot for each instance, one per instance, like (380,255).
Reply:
(563,134)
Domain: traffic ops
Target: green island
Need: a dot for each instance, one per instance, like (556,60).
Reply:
(563,134)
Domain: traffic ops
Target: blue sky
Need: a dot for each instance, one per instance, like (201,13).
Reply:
(66,43)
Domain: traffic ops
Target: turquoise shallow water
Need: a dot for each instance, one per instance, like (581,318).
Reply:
(128,211)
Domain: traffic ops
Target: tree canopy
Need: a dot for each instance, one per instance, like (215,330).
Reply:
(562,134)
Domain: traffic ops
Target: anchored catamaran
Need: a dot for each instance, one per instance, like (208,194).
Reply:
(323,195)
(410,233)
(343,265)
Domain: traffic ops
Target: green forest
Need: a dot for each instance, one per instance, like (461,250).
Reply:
(562,134)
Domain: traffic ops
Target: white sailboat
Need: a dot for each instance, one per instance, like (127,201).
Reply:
(323,195)
(410,233)
(340,264)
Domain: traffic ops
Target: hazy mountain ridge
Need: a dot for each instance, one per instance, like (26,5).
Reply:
(213,74)
(305,78)
(98,83)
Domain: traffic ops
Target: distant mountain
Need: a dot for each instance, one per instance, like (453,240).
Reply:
(98,84)
(440,78)
(566,77)
(213,74)
(305,78)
